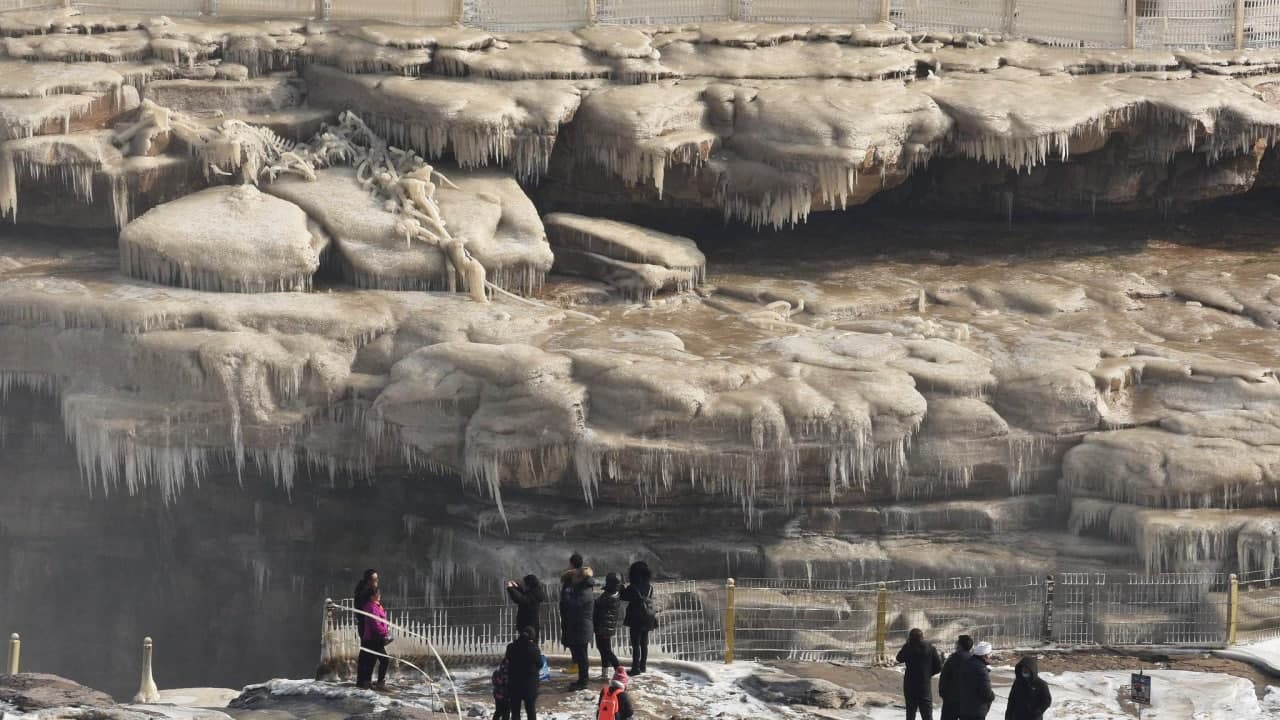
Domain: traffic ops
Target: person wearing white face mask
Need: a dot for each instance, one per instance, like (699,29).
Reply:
(1029,697)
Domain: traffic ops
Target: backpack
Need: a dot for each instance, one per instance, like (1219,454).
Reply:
(609,705)
(650,612)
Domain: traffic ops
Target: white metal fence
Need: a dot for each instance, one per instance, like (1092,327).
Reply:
(817,620)
(1192,24)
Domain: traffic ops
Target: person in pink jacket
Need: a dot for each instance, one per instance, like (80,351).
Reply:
(375,638)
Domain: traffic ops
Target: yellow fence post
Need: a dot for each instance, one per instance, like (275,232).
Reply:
(729,607)
(1239,24)
(1233,608)
(15,651)
(882,621)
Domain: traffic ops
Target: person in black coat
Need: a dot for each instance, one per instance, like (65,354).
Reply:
(965,684)
(606,624)
(577,615)
(524,665)
(640,617)
(528,596)
(923,662)
(1029,697)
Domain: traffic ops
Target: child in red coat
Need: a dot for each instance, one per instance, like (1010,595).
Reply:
(614,703)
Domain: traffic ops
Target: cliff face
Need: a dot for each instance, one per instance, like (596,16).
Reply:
(220,287)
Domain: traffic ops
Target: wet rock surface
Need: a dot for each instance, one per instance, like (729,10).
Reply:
(36,691)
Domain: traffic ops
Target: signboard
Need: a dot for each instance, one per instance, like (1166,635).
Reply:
(1140,689)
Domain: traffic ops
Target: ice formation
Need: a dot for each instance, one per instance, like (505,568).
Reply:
(224,239)
(841,407)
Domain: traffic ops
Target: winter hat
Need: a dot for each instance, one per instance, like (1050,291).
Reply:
(620,679)
(982,649)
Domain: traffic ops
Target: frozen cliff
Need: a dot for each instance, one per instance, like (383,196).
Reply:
(363,274)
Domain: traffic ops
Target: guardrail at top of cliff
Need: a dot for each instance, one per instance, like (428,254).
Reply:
(1195,24)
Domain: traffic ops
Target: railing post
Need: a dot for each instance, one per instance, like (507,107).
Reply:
(1239,24)
(592,12)
(1131,26)
(882,621)
(15,652)
(147,691)
(459,12)
(211,8)
(1010,16)
(324,9)
(884,11)
(1046,627)
(1233,608)
(730,606)
(324,630)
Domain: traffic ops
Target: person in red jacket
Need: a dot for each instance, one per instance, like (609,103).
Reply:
(375,638)
(614,703)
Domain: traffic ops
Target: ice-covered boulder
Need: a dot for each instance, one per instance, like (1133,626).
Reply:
(486,210)
(224,239)
(636,261)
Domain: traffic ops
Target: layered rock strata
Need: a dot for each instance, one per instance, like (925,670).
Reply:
(844,413)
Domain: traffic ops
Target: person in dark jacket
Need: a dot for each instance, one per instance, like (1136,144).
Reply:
(640,617)
(965,684)
(360,597)
(524,664)
(606,625)
(923,662)
(528,595)
(1029,697)
(577,615)
(501,681)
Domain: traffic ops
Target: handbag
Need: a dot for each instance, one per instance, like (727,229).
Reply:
(545,672)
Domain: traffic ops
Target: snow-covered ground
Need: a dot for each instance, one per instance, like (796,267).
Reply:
(1263,654)
(1094,695)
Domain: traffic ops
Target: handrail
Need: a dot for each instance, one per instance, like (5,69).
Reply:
(453,685)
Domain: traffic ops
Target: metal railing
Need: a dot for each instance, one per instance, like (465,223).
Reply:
(1191,24)
(820,620)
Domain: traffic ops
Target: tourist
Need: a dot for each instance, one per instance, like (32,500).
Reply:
(641,616)
(577,609)
(614,703)
(524,664)
(376,638)
(1029,697)
(528,596)
(965,684)
(606,624)
(368,583)
(501,690)
(982,651)
(923,662)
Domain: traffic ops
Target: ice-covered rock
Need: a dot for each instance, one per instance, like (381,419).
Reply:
(224,239)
